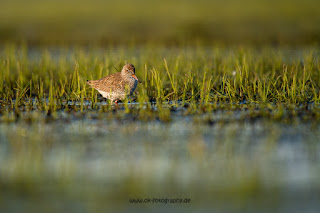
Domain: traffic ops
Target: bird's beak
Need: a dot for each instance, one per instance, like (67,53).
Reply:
(133,75)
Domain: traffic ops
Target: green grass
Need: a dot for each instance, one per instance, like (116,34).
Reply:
(202,78)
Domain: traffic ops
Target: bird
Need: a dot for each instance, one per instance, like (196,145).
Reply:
(117,86)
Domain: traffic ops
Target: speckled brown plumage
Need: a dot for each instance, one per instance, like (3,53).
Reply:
(118,85)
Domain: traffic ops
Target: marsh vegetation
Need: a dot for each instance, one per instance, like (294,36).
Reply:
(227,114)
(207,123)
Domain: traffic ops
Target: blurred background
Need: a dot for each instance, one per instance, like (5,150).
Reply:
(166,21)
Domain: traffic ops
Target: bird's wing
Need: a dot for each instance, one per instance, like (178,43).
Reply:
(109,83)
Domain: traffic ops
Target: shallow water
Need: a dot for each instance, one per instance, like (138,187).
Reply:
(92,162)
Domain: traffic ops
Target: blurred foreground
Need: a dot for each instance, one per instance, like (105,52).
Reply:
(93,163)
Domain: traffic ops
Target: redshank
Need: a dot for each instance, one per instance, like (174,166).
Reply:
(118,85)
